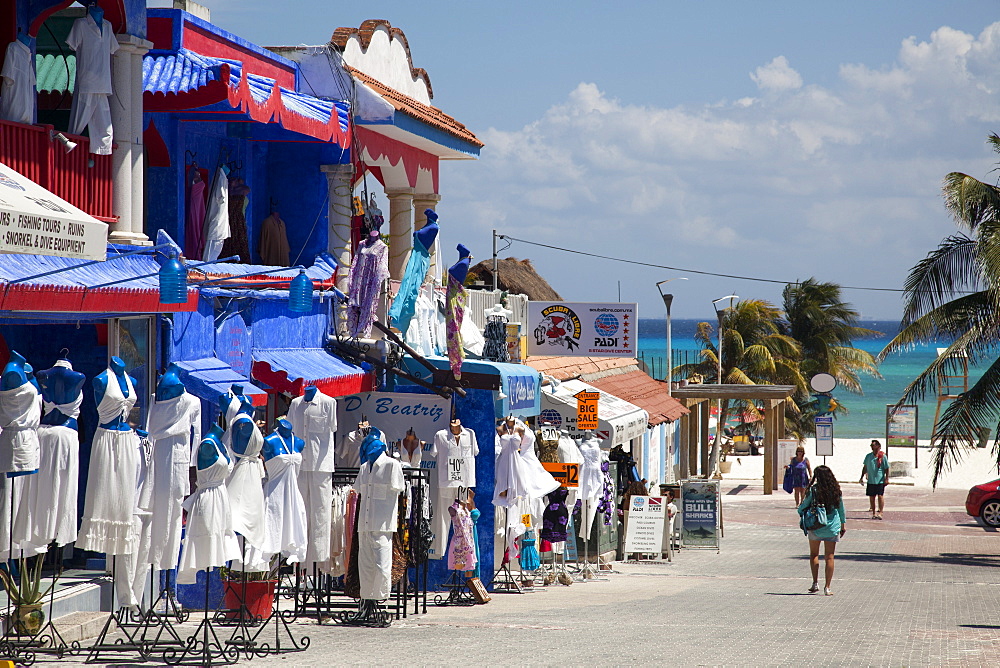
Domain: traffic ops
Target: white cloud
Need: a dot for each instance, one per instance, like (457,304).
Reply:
(777,75)
(841,182)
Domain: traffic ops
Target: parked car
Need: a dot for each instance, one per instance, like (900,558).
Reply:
(983,502)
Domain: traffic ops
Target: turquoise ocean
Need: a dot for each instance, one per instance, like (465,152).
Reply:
(866,416)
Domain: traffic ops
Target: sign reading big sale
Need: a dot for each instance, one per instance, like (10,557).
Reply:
(586,410)
(582,329)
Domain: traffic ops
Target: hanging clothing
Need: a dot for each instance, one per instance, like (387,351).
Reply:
(422,335)
(457,300)
(338,530)
(548,450)
(91,109)
(555,519)
(472,339)
(315,422)
(284,509)
(591,479)
(238,242)
(568,452)
(510,474)
(404,305)
(369,270)
(606,504)
(110,501)
(274,250)
(20,415)
(529,559)
(538,482)
(348,451)
(217,216)
(51,494)
(174,427)
(378,485)
(17,84)
(209,540)
(245,486)
(462,551)
(194,226)
(421,535)
(130,576)
(495,334)
(456,457)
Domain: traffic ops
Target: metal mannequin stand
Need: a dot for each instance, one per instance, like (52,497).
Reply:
(119,620)
(458,591)
(503,578)
(203,647)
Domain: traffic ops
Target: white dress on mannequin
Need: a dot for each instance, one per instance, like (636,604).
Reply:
(538,482)
(110,503)
(591,482)
(246,488)
(52,492)
(209,540)
(284,510)
(174,427)
(20,414)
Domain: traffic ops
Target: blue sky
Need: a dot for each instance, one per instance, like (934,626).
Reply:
(772,139)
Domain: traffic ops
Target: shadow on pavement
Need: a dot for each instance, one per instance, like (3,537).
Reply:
(978,626)
(945,558)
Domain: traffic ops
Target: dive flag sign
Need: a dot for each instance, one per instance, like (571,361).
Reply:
(586,410)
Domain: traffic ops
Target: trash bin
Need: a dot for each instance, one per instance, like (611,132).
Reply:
(984,436)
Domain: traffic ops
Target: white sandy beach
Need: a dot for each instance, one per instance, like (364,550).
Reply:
(977,465)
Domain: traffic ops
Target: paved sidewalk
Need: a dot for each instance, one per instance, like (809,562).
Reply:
(920,588)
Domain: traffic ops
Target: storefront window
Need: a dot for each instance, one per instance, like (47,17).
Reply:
(133,342)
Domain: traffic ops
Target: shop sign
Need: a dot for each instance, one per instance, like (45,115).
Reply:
(700,513)
(644,524)
(522,391)
(394,413)
(567,473)
(582,329)
(515,343)
(586,410)
(35,221)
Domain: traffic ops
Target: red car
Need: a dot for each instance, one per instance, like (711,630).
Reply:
(984,502)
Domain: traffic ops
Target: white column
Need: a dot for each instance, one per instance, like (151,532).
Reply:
(400,230)
(421,203)
(339,214)
(126,123)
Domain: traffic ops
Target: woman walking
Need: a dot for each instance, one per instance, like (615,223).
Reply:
(799,471)
(826,491)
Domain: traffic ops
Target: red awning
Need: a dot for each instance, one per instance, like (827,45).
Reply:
(636,387)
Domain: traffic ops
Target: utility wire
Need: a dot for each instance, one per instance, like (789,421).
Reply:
(682,269)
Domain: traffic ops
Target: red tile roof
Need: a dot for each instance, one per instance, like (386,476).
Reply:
(567,368)
(364,34)
(647,393)
(418,110)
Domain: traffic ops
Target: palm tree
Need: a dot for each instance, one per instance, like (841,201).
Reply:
(954,294)
(825,326)
(754,352)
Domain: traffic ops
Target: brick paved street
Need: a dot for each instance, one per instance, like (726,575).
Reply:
(920,588)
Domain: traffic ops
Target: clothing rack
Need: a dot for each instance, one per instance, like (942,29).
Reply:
(326,598)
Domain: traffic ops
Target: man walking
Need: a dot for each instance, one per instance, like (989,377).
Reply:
(876,467)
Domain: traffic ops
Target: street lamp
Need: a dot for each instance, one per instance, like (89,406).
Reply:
(667,301)
(716,474)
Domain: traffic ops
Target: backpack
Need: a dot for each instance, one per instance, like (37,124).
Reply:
(814,515)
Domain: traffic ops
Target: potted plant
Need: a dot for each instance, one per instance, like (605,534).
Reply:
(250,593)
(26,594)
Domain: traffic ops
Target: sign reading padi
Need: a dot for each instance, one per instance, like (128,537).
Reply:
(582,329)
(395,413)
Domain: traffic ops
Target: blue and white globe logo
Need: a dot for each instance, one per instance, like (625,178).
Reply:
(553,417)
(606,324)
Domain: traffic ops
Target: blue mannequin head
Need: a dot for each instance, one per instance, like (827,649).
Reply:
(29,372)
(310,392)
(428,233)
(460,269)
(372,446)
(170,385)
(14,374)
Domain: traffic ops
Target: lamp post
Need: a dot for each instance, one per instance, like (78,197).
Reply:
(716,474)
(667,301)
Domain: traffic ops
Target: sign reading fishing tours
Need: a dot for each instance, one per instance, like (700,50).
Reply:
(582,329)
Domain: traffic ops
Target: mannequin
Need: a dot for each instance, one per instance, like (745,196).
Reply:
(348,454)
(52,493)
(314,417)
(209,540)
(245,483)
(411,450)
(379,484)
(20,414)
(174,432)
(454,450)
(17,81)
(217,216)
(93,40)
(229,406)
(495,334)
(462,551)
(130,575)
(455,309)
(404,305)
(591,481)
(369,270)
(285,522)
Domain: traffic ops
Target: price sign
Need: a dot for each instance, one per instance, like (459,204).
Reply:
(586,410)
(526,521)
(456,469)
(567,474)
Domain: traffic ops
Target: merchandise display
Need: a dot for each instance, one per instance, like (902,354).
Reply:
(245,483)
(369,270)
(314,419)
(454,450)
(378,484)
(405,304)
(284,510)
(455,304)
(20,415)
(93,40)
(462,551)
(591,482)
(17,83)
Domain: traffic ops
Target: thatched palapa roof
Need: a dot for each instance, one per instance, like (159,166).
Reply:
(515,276)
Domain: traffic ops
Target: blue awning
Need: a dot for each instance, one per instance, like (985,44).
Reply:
(520,384)
(292,369)
(210,377)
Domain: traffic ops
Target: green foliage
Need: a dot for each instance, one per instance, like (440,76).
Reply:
(27,591)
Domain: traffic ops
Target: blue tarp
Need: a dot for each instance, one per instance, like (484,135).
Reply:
(308,364)
(521,384)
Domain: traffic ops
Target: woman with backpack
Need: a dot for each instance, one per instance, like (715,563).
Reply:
(823,520)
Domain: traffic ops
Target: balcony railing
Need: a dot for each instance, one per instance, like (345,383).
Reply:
(30,150)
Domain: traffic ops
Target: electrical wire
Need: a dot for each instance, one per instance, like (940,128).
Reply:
(693,271)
